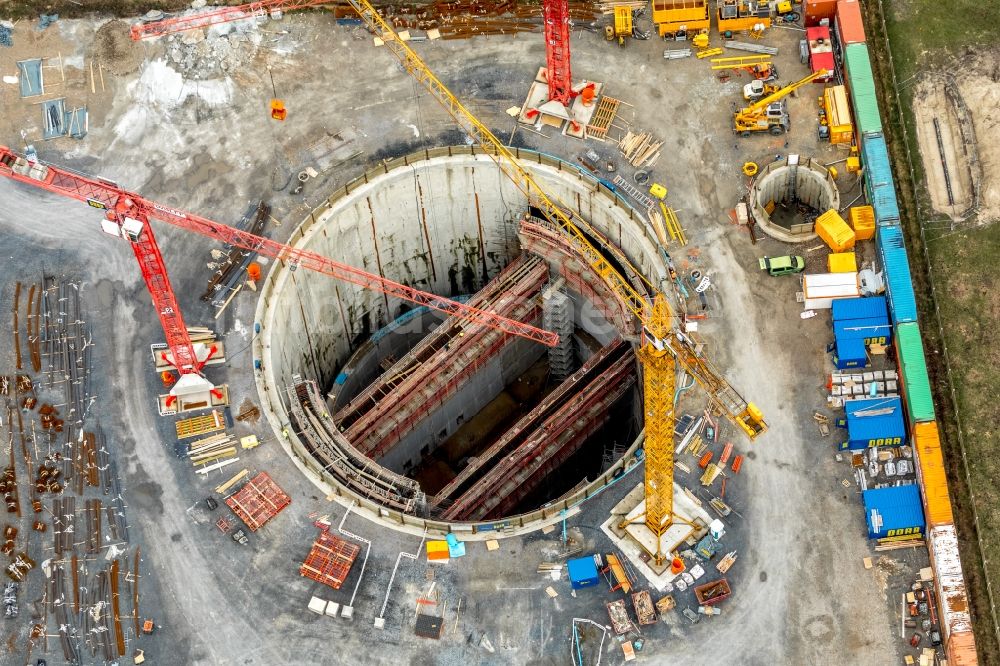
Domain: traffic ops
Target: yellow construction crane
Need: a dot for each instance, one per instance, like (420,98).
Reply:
(770,113)
(663,346)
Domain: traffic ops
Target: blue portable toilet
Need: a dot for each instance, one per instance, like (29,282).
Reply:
(583,572)
(875,422)
(894,513)
(850,353)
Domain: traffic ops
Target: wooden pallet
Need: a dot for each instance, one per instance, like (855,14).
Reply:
(604,115)
(200,425)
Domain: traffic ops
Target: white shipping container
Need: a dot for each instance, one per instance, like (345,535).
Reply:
(819,290)
(948,581)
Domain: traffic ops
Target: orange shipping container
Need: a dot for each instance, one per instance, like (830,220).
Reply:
(850,26)
(817,10)
(961,649)
(931,474)
(830,226)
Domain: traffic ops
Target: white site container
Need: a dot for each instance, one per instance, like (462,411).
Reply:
(820,290)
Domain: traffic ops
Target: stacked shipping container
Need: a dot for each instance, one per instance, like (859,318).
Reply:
(851,47)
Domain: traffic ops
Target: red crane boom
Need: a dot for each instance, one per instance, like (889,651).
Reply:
(555,15)
(128,216)
(174,24)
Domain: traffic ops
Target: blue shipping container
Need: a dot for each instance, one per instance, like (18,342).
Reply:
(850,353)
(860,308)
(899,286)
(875,330)
(875,422)
(582,572)
(879,186)
(894,513)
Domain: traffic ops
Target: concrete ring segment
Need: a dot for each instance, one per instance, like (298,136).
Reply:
(445,221)
(786,187)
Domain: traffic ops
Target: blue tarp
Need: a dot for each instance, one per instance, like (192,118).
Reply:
(868,426)
(859,308)
(53,119)
(29,74)
(894,512)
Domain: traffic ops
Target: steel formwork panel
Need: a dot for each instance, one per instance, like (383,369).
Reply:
(257,502)
(330,560)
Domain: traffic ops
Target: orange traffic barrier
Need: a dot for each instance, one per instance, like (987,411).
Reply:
(705,459)
(737,463)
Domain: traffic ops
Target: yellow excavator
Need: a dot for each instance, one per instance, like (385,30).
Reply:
(770,113)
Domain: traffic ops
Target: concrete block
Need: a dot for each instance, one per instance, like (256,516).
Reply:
(347,612)
(317,605)
(380,623)
(332,608)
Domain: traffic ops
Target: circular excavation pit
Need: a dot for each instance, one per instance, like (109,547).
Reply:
(788,194)
(437,423)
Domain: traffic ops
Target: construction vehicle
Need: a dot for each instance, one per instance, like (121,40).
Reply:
(757,89)
(664,346)
(770,114)
(622,27)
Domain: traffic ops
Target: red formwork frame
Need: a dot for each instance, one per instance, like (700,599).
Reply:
(330,560)
(257,502)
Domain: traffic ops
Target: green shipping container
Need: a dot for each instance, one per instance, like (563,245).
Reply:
(861,89)
(913,371)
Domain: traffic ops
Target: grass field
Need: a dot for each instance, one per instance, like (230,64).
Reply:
(930,35)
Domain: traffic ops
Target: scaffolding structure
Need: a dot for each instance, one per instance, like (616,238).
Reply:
(330,560)
(258,501)
(429,383)
(543,439)
(337,455)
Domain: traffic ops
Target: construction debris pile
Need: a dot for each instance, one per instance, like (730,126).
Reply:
(198,57)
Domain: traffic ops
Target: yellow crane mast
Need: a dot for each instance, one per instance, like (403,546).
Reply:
(663,348)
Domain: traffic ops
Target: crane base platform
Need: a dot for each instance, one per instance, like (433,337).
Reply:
(638,543)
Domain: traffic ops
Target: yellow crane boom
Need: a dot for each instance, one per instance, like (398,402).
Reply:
(663,347)
(762,103)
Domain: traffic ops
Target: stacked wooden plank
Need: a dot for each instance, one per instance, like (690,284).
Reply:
(211,449)
(641,150)
(609,6)
(200,425)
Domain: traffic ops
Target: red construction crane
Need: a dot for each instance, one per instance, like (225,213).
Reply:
(174,24)
(128,215)
(556,18)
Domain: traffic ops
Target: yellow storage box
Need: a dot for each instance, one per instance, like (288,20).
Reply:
(437,550)
(832,228)
(842,262)
(863,222)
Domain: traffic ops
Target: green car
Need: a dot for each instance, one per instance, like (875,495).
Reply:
(782,265)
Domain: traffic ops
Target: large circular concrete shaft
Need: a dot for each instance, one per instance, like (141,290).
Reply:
(443,221)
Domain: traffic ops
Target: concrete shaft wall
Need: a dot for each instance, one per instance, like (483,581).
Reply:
(814,186)
(442,221)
